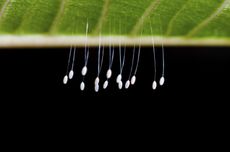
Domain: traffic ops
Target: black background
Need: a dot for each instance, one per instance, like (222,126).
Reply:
(191,72)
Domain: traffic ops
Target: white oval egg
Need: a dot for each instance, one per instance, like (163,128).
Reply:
(71,74)
(162,81)
(127,84)
(65,80)
(82,86)
(84,71)
(109,74)
(105,85)
(154,86)
(120,85)
(133,80)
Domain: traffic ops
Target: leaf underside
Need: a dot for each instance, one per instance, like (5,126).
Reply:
(173,22)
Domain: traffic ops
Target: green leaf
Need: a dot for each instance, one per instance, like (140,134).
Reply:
(63,22)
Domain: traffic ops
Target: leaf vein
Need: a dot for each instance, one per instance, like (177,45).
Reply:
(102,18)
(4,8)
(196,29)
(58,16)
(170,25)
(152,7)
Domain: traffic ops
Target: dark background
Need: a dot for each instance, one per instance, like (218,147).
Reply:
(191,72)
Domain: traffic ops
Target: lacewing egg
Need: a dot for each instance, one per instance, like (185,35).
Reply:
(71,74)
(105,85)
(82,86)
(84,71)
(109,74)
(133,80)
(65,80)
(154,86)
(162,81)
(120,85)
(127,84)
